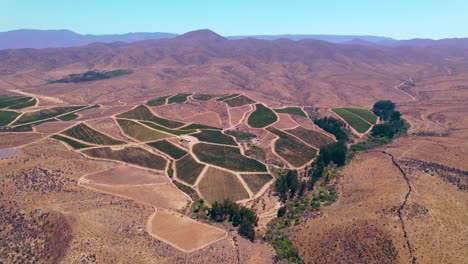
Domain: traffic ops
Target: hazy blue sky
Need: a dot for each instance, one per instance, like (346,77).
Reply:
(393,18)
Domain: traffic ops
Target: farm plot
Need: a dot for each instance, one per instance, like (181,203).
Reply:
(261,117)
(198,126)
(53,127)
(170,131)
(143,113)
(168,148)
(12,101)
(256,181)
(132,155)
(237,113)
(68,117)
(161,195)
(208,118)
(188,169)
(313,138)
(239,101)
(178,98)
(157,101)
(364,114)
(7,153)
(175,229)
(226,97)
(9,140)
(226,157)
(291,111)
(215,136)
(139,131)
(356,122)
(72,143)
(291,149)
(22,105)
(126,175)
(30,117)
(107,126)
(218,185)
(7,117)
(285,122)
(87,134)
(204,97)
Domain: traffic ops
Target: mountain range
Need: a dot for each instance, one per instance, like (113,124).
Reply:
(39,39)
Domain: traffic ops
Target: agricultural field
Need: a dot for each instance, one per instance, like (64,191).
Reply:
(168,148)
(226,157)
(311,137)
(291,110)
(215,136)
(204,97)
(354,121)
(39,115)
(71,142)
(139,131)
(218,185)
(178,98)
(157,101)
(142,113)
(237,113)
(188,169)
(256,181)
(132,155)
(87,134)
(240,100)
(7,117)
(176,132)
(173,229)
(226,97)
(291,149)
(364,114)
(68,117)
(199,126)
(126,175)
(262,117)
(16,102)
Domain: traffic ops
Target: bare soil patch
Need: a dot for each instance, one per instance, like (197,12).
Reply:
(218,185)
(285,122)
(182,232)
(209,118)
(126,175)
(237,113)
(8,140)
(53,127)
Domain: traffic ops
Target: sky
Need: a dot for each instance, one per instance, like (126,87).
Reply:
(391,18)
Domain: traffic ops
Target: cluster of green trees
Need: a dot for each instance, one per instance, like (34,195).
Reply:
(91,76)
(331,154)
(287,185)
(238,215)
(333,126)
(392,122)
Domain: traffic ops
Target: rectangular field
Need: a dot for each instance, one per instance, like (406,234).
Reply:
(226,157)
(176,132)
(132,155)
(218,185)
(354,121)
(140,132)
(87,134)
(126,175)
